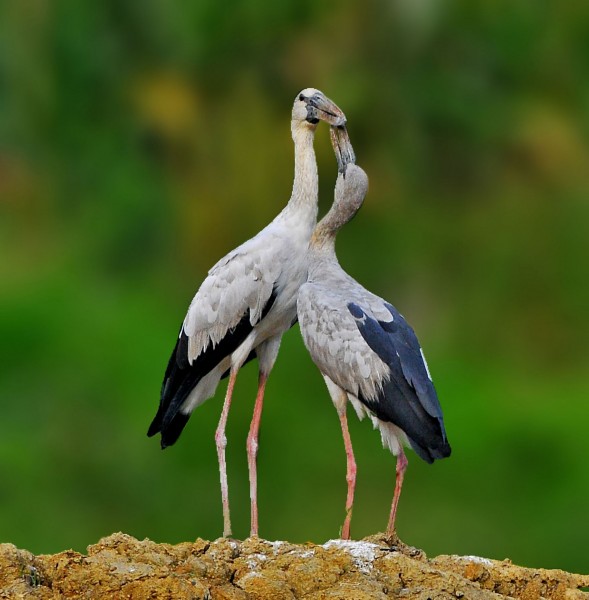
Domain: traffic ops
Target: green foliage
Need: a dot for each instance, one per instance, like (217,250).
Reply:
(139,142)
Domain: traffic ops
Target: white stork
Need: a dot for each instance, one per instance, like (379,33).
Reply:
(365,350)
(245,305)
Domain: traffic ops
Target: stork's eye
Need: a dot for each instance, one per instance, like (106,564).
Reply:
(301,97)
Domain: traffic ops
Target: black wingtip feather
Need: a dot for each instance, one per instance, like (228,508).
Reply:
(408,399)
(172,431)
(399,404)
(155,427)
(181,377)
(429,454)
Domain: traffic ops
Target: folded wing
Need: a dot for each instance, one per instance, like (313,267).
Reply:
(407,397)
(237,294)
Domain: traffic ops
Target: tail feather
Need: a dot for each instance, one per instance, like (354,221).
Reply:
(399,404)
(173,429)
(182,377)
(431,453)
(408,398)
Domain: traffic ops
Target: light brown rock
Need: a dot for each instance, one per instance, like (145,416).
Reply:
(121,567)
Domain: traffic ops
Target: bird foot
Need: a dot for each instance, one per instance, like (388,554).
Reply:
(384,539)
(393,543)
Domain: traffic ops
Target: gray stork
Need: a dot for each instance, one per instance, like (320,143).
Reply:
(245,305)
(365,350)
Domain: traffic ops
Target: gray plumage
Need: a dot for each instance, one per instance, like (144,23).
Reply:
(361,342)
(364,348)
(248,299)
(245,304)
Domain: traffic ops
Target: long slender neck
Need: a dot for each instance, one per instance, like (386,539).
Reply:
(305,189)
(350,191)
(323,240)
(322,259)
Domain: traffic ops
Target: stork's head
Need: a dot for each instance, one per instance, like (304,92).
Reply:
(312,106)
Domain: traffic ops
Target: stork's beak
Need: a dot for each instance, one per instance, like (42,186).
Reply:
(326,110)
(342,146)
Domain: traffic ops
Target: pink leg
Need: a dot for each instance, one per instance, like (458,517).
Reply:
(350,475)
(252,452)
(221,442)
(401,466)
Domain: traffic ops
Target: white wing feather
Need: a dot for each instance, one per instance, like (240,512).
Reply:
(241,281)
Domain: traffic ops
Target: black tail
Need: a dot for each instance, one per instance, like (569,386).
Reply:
(431,454)
(399,404)
(181,377)
(408,399)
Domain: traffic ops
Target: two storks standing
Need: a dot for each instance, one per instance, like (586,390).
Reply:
(365,350)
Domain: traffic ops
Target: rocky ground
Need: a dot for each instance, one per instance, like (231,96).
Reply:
(120,567)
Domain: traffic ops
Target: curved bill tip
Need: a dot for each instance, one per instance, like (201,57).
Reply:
(327,110)
(342,146)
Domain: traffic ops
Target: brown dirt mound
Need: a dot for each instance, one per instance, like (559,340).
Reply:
(120,566)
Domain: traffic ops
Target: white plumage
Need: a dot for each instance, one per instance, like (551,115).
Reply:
(246,303)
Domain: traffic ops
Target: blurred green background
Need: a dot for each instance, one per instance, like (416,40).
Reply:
(141,141)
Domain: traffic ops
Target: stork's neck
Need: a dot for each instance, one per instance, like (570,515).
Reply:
(322,259)
(305,189)
(322,245)
(342,211)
